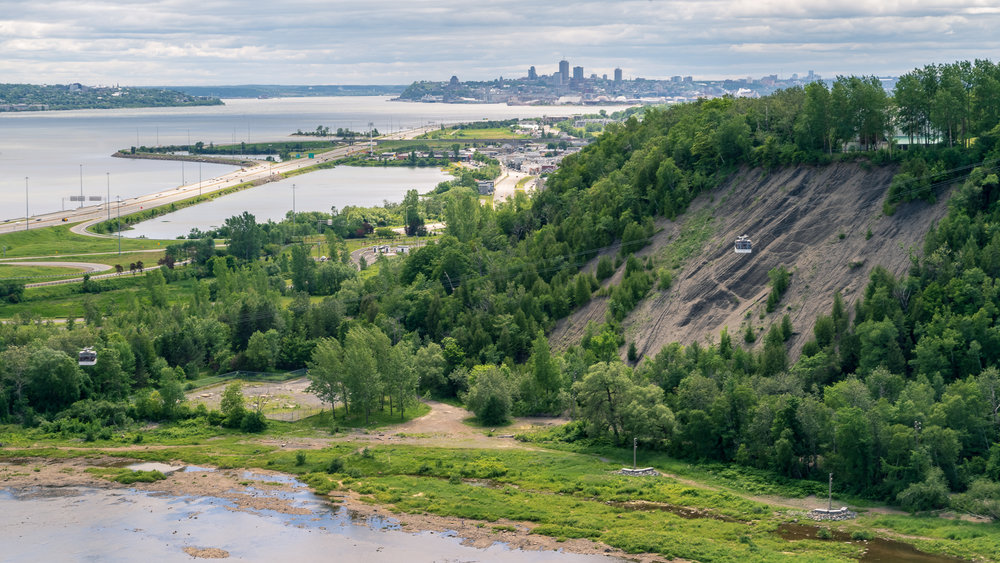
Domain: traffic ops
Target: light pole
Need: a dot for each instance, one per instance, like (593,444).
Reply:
(26,203)
(119,198)
(293,210)
(107,202)
(81,185)
(199,178)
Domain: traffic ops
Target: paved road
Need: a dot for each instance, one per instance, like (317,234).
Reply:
(504,187)
(86,216)
(86,267)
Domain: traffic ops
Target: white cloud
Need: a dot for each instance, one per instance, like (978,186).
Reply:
(388,41)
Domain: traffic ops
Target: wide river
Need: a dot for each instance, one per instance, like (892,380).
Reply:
(52,155)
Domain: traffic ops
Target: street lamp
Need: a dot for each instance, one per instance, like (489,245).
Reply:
(26,203)
(293,210)
(119,198)
(107,202)
(81,185)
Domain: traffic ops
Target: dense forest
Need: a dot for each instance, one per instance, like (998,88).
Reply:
(898,393)
(31,97)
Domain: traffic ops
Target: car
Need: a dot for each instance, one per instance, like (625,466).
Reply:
(39,219)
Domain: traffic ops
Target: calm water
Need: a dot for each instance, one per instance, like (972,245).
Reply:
(316,191)
(50,147)
(81,524)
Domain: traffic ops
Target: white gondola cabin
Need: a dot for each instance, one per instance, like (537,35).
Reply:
(743,245)
(87,357)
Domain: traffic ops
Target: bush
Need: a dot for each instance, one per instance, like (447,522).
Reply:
(336,465)
(140,477)
(300,458)
(253,422)
(929,494)
(604,268)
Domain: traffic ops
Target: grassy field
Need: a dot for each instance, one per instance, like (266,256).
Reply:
(487,133)
(27,273)
(60,241)
(65,301)
(562,494)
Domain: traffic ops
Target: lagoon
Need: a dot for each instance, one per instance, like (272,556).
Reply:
(316,191)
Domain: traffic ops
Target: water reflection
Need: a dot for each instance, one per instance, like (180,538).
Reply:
(83,524)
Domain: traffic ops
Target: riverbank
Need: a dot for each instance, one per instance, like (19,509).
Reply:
(263,490)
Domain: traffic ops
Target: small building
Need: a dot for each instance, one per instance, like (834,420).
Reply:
(486,187)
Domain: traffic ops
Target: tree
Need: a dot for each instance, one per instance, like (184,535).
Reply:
(232,406)
(54,379)
(263,349)
(246,239)
(326,374)
(490,394)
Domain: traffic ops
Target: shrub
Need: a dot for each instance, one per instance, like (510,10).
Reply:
(140,477)
(300,458)
(604,268)
(336,465)
(929,494)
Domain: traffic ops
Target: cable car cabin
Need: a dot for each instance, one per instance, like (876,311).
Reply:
(87,357)
(743,245)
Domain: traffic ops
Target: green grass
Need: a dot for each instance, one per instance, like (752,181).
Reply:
(463,134)
(66,301)
(25,273)
(693,234)
(521,183)
(562,494)
(58,240)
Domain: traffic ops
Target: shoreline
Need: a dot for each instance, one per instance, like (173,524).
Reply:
(25,474)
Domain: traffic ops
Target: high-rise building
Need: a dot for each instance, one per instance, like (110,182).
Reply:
(532,75)
(578,73)
(618,76)
(564,71)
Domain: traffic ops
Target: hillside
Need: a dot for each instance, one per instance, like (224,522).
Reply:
(795,216)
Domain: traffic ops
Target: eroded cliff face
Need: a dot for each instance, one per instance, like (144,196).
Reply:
(813,220)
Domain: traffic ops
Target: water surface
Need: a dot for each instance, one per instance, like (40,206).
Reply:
(84,524)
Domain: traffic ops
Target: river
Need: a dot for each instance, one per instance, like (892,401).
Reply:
(60,151)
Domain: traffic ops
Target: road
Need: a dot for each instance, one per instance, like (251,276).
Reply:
(89,215)
(504,187)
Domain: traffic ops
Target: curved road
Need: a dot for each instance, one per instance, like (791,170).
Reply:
(86,267)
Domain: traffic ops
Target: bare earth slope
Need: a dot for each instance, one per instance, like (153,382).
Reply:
(796,217)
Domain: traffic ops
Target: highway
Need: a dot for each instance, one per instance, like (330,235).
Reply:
(91,214)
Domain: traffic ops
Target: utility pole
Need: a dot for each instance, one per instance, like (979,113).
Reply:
(26,203)
(829,505)
(81,185)
(199,178)
(293,210)
(107,202)
(635,448)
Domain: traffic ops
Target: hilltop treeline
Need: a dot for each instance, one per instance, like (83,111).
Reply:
(16,97)
(897,393)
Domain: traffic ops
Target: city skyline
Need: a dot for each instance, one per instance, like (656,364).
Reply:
(182,42)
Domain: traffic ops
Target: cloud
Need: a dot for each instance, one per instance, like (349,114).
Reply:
(178,42)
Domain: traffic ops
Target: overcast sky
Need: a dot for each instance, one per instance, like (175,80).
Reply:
(212,42)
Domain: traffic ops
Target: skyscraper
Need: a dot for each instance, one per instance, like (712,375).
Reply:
(564,71)
(532,75)
(578,73)
(618,77)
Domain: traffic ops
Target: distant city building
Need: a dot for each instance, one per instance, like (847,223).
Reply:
(618,77)
(453,81)
(675,78)
(578,73)
(564,71)
(688,79)
(604,76)
(532,75)
(812,76)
